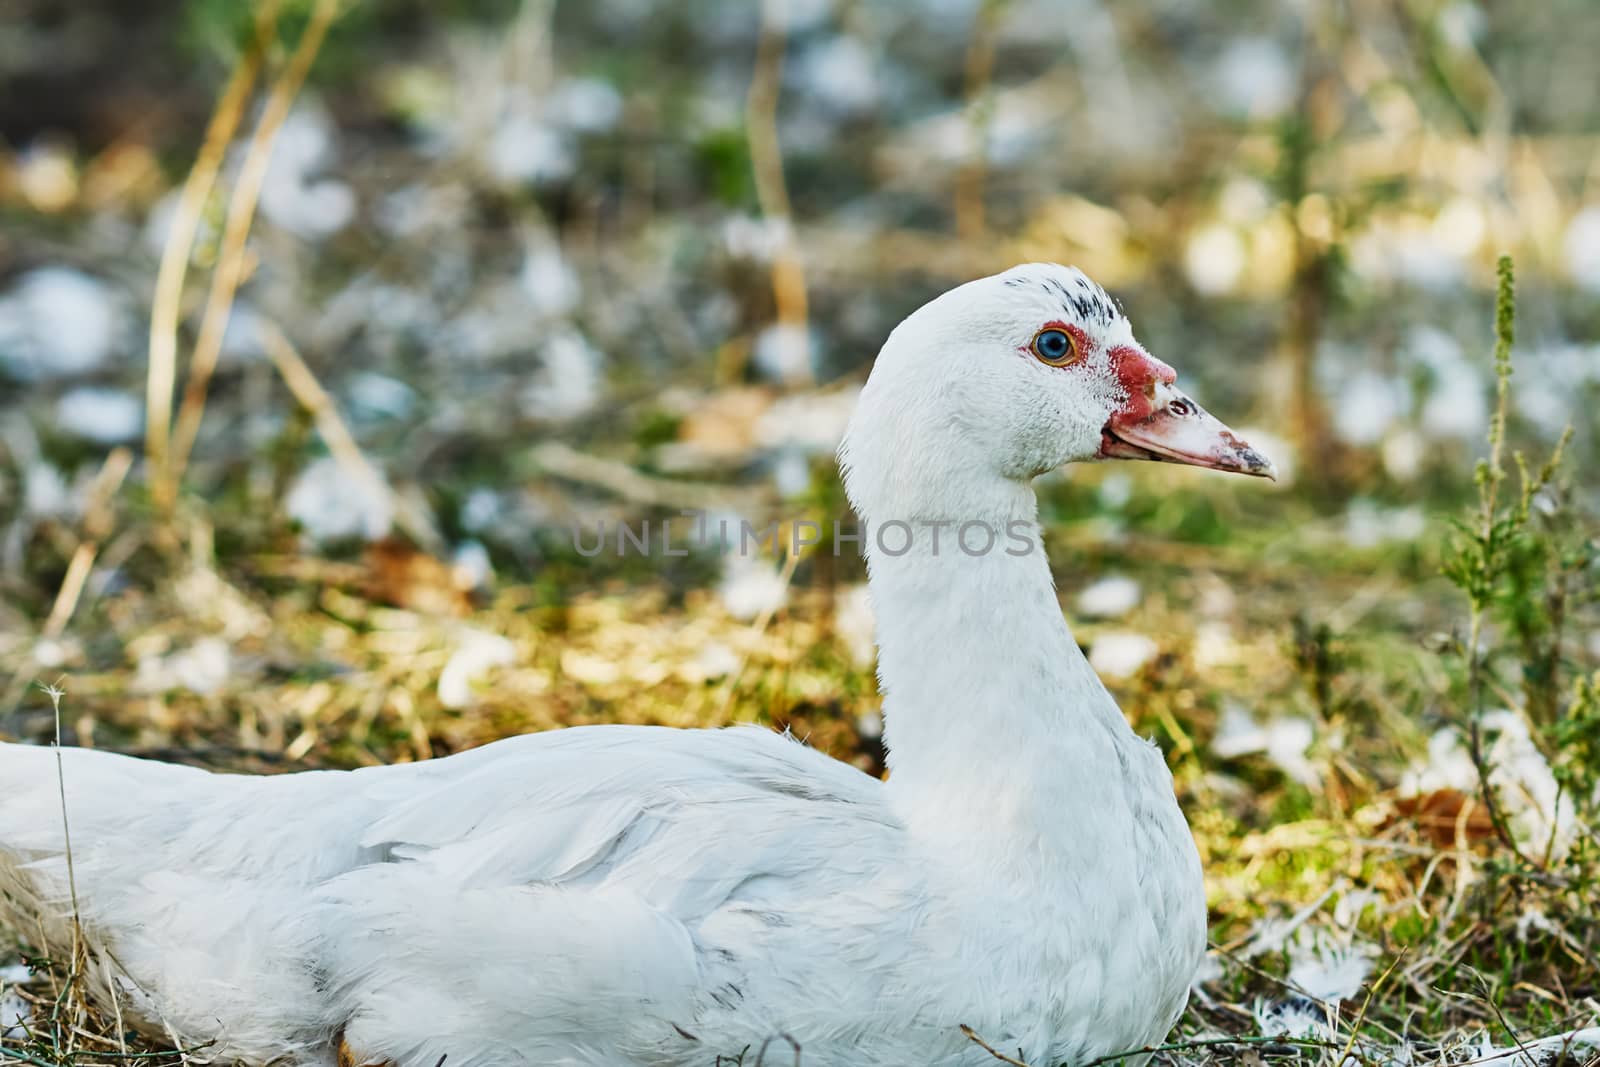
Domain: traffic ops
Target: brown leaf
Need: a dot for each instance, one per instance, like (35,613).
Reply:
(1444,814)
(403,576)
(723,424)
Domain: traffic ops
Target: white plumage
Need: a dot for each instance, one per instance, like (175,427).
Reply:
(631,896)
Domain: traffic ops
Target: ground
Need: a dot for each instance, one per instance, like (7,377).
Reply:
(323,325)
(1358,895)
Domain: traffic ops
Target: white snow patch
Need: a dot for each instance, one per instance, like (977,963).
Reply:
(746,237)
(841,73)
(52,653)
(549,281)
(1120,653)
(203,668)
(244,338)
(524,150)
(1115,491)
(568,382)
(716,660)
(1110,597)
(812,422)
(331,503)
(1435,349)
(158,224)
(1368,405)
(751,586)
(477,652)
(57,322)
(1548,399)
(791,473)
(105,416)
(1214,258)
(481,509)
(1284,741)
(855,624)
(1582,248)
(375,395)
(304,143)
(1255,78)
(292,196)
(1461,24)
(1460,227)
(589,105)
(1367,525)
(1456,408)
(1245,201)
(1215,645)
(471,566)
(1405,252)
(783,354)
(1403,452)
(15,1013)
(45,492)
(797,16)
(314,209)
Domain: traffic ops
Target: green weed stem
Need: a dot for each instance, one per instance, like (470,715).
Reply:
(1489,475)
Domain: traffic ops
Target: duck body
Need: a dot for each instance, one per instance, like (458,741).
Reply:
(647,897)
(518,904)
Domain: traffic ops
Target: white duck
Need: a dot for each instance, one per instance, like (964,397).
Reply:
(622,895)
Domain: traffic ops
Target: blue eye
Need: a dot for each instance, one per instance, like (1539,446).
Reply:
(1055,347)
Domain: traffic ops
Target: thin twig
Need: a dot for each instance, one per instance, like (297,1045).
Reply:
(116,1006)
(302,382)
(315,399)
(614,476)
(231,258)
(758,627)
(766,162)
(1372,991)
(55,693)
(1488,998)
(96,526)
(972,1036)
(979,107)
(175,251)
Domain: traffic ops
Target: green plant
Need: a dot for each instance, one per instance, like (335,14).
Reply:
(1521,559)
(1576,737)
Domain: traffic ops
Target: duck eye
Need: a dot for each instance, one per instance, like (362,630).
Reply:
(1055,347)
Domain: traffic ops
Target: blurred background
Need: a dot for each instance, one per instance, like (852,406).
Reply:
(322,323)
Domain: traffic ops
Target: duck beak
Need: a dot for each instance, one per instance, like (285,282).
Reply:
(1160,423)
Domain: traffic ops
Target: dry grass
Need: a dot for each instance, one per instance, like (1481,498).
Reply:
(338,664)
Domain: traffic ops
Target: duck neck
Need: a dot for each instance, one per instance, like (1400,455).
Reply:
(990,708)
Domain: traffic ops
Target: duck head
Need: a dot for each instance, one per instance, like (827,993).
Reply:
(1006,377)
